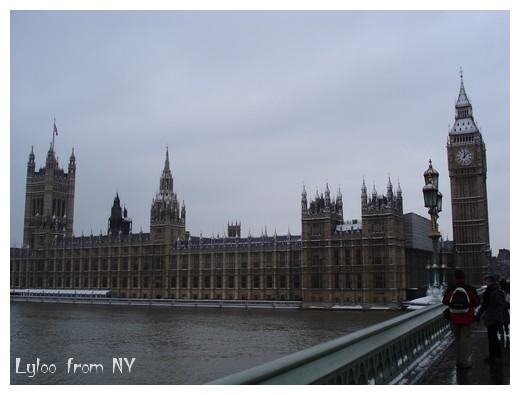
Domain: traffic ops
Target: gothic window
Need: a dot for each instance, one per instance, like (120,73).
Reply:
(316,280)
(347,257)
(269,281)
(231,281)
(283,282)
(158,263)
(296,259)
(347,280)
(316,230)
(377,227)
(269,259)
(378,256)
(231,261)
(379,280)
(281,259)
(316,258)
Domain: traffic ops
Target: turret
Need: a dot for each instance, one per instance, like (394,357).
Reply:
(51,162)
(339,203)
(31,165)
(304,201)
(327,197)
(389,192)
(72,163)
(399,198)
(364,195)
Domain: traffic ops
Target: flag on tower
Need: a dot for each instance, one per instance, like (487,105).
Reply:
(55,128)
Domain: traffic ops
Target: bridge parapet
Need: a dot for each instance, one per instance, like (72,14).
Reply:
(380,354)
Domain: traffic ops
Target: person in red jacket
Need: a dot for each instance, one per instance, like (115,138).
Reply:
(461,319)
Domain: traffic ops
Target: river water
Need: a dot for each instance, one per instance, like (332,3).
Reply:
(88,344)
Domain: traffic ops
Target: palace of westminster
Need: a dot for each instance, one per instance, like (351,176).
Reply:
(378,260)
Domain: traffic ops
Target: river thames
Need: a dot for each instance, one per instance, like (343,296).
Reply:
(100,344)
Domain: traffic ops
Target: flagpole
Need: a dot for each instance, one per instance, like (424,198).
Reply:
(53,133)
(54,130)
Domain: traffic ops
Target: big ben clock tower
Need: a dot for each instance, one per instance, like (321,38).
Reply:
(468,173)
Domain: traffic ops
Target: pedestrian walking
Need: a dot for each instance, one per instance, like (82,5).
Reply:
(461,298)
(504,330)
(492,311)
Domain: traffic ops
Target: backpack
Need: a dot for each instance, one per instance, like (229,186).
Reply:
(459,301)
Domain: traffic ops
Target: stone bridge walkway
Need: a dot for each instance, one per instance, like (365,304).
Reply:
(446,373)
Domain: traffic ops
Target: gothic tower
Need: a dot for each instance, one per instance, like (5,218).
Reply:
(468,172)
(49,201)
(167,216)
(383,238)
(319,221)
(119,224)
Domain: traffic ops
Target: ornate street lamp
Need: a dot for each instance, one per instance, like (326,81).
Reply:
(433,201)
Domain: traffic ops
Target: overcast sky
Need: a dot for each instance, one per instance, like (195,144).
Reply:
(253,105)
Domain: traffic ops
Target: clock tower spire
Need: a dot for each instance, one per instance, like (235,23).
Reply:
(468,173)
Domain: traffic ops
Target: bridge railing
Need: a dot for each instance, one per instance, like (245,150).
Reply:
(379,354)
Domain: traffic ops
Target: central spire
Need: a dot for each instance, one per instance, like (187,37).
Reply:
(166,183)
(167,161)
(463,100)
(464,122)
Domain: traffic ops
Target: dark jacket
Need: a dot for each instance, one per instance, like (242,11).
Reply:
(493,305)
(466,318)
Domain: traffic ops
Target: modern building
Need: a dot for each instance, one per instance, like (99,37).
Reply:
(418,253)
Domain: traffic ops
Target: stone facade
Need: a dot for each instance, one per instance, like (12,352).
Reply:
(333,262)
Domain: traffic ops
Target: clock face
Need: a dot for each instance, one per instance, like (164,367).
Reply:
(464,156)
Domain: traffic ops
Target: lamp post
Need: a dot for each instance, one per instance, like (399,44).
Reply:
(433,201)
